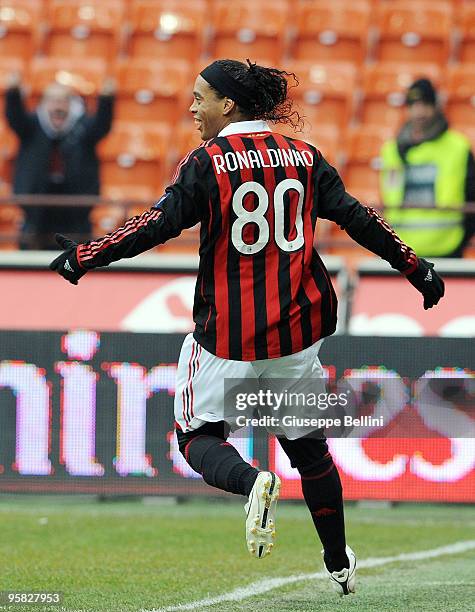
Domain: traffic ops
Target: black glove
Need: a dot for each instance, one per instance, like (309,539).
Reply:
(67,263)
(426,280)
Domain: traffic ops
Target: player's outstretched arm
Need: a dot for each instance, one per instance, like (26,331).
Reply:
(370,230)
(138,234)
(178,209)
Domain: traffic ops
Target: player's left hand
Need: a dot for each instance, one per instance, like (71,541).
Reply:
(67,264)
(426,280)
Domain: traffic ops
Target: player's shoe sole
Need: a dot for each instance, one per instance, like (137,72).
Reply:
(260,509)
(344,580)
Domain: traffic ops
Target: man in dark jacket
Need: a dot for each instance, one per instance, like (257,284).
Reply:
(57,156)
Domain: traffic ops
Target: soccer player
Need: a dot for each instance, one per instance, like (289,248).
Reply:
(263,298)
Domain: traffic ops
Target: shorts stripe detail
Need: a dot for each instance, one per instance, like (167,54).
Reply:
(196,367)
(185,393)
(190,370)
(188,392)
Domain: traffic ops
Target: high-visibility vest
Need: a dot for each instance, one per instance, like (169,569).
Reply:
(430,232)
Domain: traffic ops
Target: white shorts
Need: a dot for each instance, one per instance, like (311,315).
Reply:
(200,388)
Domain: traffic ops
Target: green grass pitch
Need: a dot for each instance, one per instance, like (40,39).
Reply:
(129,556)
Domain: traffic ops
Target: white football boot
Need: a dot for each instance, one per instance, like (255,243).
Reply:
(260,509)
(343,581)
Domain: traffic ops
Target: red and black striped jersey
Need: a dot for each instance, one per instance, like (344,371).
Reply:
(262,290)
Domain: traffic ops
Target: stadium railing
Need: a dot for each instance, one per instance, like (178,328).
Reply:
(109,213)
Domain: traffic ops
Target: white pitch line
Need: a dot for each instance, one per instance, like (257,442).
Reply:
(268,584)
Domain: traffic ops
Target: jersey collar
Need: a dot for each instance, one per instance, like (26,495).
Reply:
(245,127)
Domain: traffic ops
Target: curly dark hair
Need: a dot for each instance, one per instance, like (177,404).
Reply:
(270,86)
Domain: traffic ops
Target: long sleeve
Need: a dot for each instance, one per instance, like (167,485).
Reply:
(99,124)
(179,208)
(360,222)
(20,121)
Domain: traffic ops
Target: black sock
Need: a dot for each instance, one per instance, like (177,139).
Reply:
(322,491)
(220,464)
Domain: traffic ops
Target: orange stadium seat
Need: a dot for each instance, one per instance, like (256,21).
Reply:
(325,137)
(19,28)
(415,31)
(137,197)
(133,194)
(130,200)
(466,51)
(106,218)
(243,29)
(84,29)
(327,140)
(363,147)
(168,29)
(384,88)
(331,31)
(360,176)
(135,154)
(9,65)
(460,106)
(326,91)
(11,218)
(152,90)
(83,77)
(186,138)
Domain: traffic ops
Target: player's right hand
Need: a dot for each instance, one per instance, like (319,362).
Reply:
(67,264)
(426,280)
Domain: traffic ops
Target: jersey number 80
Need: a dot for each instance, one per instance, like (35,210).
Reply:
(257,216)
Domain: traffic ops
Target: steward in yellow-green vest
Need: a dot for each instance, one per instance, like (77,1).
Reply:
(428,167)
